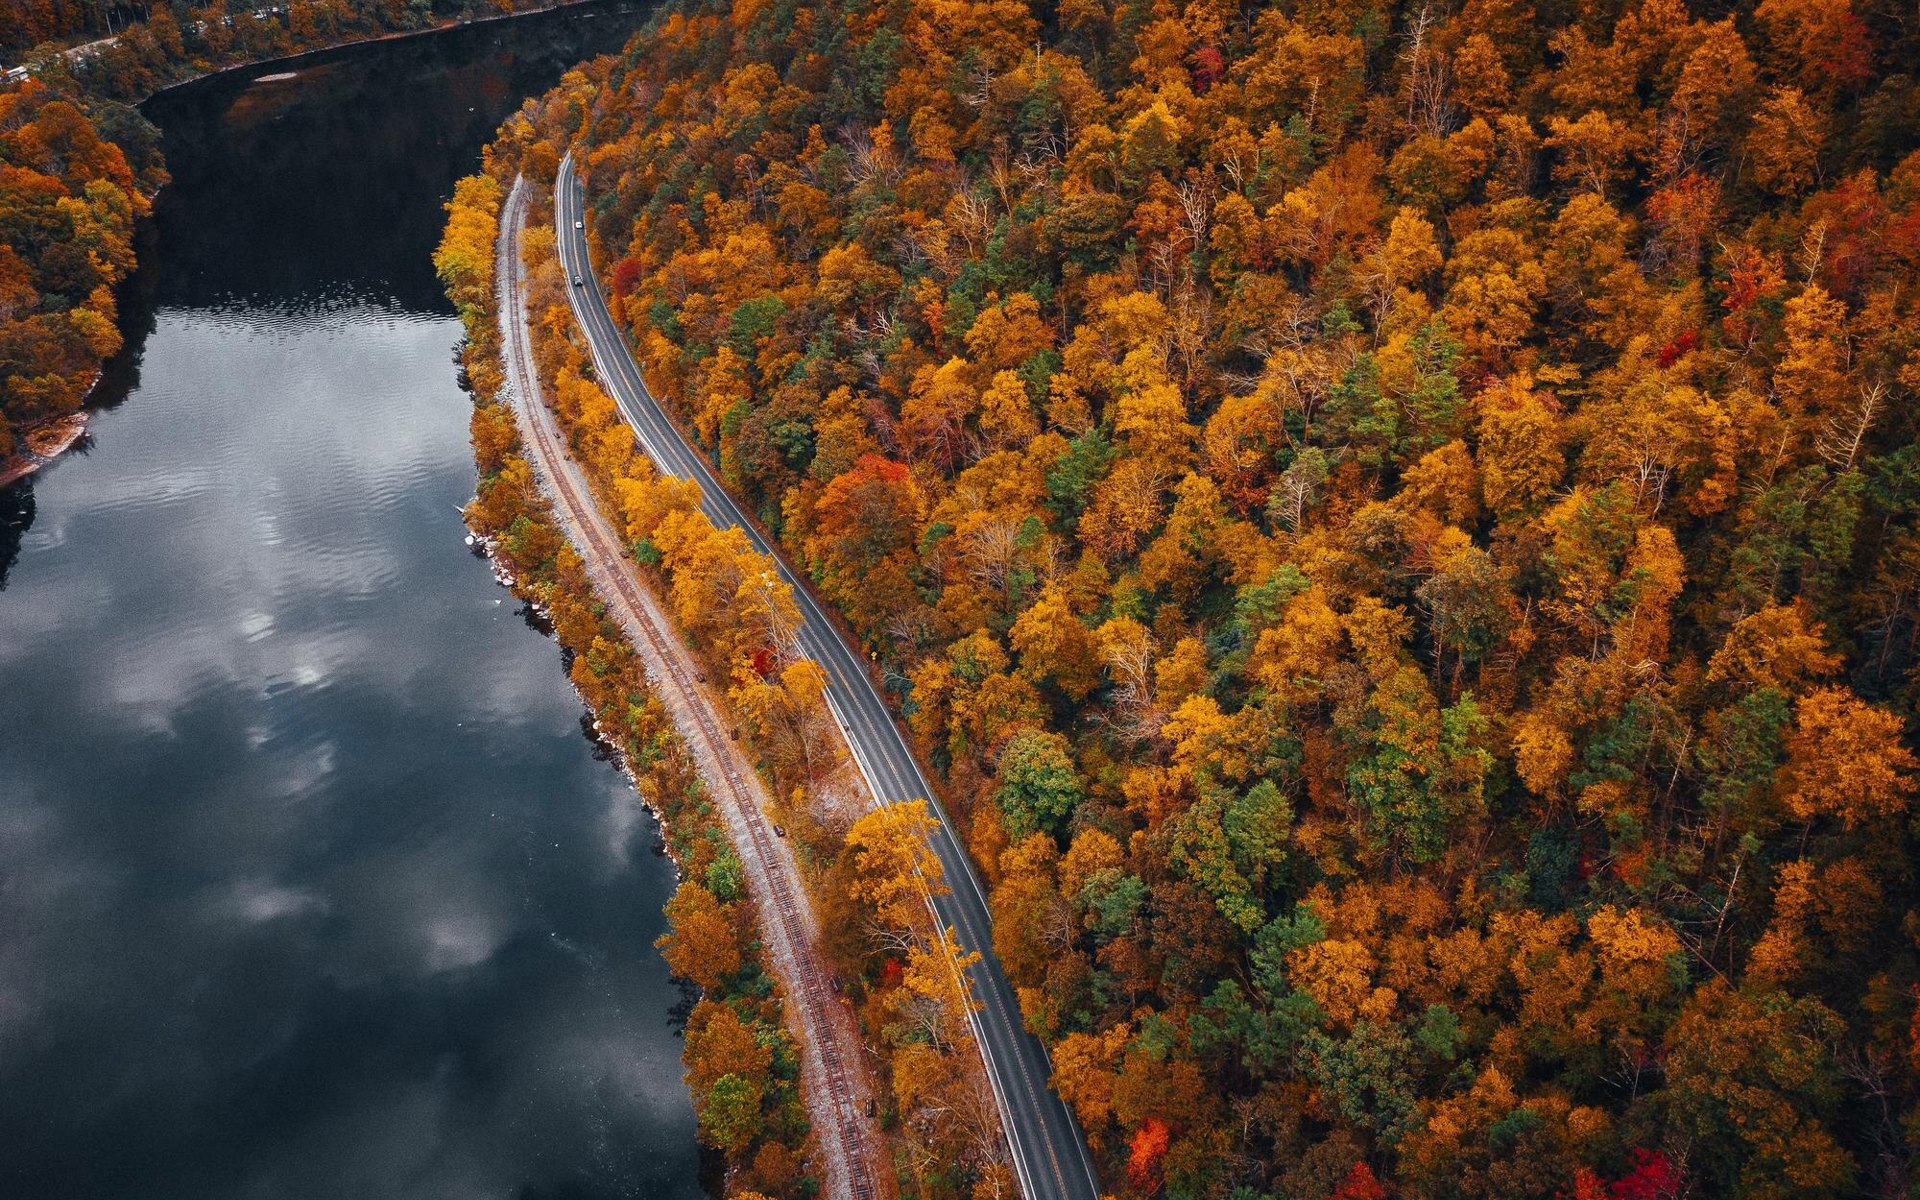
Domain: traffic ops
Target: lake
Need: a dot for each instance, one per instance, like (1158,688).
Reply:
(310,883)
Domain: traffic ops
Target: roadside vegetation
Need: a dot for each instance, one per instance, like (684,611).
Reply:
(69,197)
(868,871)
(1394,524)
(742,1067)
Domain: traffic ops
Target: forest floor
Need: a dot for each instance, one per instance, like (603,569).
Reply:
(835,1082)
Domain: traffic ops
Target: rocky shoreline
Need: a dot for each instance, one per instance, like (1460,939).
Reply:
(42,445)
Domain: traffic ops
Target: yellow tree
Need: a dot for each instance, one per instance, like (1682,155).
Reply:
(1811,377)
(464,260)
(1055,645)
(1641,970)
(785,711)
(1784,143)
(1594,153)
(1031,923)
(893,866)
(700,943)
(1778,647)
(1845,759)
(1495,285)
(719,1043)
(1521,460)
(1085,1072)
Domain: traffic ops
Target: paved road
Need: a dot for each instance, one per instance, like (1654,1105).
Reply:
(1049,1154)
(831,1055)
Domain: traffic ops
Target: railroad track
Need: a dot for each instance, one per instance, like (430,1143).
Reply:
(814,1007)
(1047,1150)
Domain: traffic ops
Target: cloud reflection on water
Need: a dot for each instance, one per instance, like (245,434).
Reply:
(309,885)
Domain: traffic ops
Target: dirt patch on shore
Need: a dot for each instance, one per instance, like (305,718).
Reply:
(44,443)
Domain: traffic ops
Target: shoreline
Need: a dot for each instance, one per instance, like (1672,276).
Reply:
(296,60)
(65,433)
(488,546)
(21,71)
(828,1041)
(27,460)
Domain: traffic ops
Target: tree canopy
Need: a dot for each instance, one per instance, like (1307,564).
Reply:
(1394,524)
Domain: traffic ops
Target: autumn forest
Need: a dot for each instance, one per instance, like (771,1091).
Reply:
(79,165)
(1394,524)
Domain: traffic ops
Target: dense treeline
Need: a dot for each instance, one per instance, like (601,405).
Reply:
(143,44)
(68,202)
(1394,521)
(26,23)
(78,166)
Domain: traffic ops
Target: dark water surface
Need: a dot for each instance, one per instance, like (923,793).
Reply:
(310,885)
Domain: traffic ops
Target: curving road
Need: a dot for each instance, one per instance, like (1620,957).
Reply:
(1049,1154)
(831,1056)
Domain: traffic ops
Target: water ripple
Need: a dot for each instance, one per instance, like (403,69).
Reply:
(309,886)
